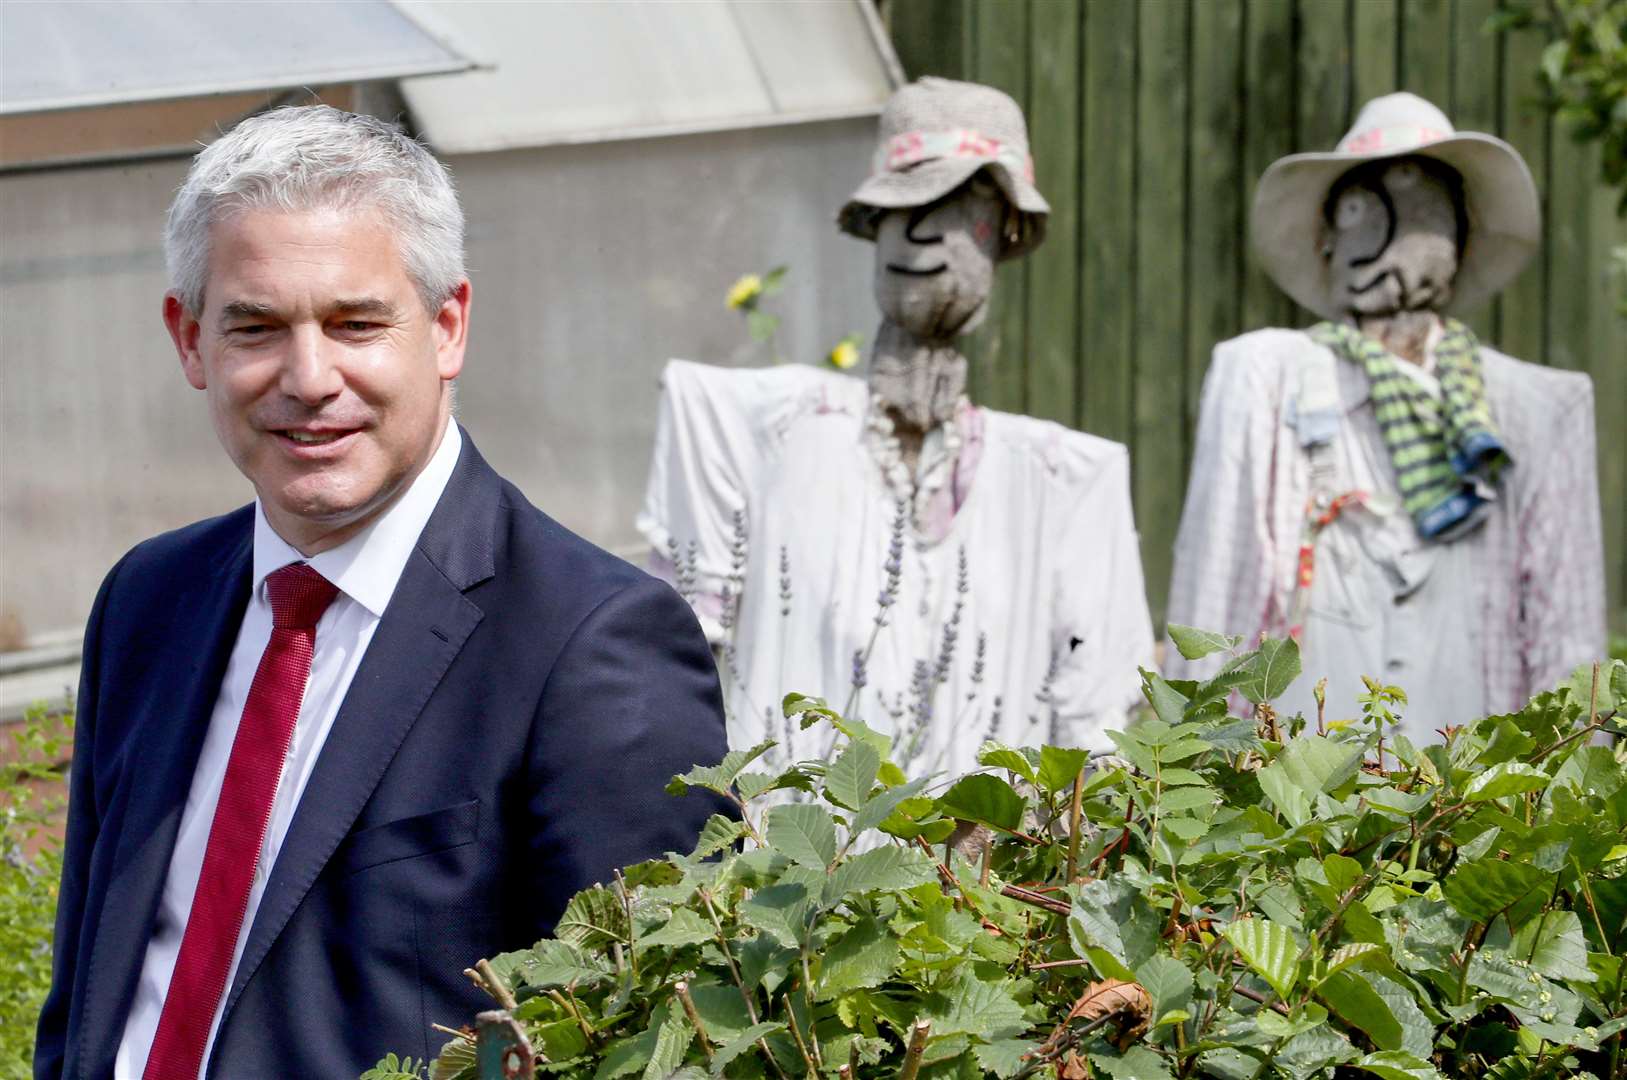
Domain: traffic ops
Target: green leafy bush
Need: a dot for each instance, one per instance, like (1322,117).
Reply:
(30,866)
(1232,897)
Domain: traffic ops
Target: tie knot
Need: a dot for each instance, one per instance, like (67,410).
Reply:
(299,596)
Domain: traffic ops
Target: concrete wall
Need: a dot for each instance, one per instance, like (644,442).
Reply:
(591,265)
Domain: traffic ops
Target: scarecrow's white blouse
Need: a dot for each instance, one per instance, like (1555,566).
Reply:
(1472,626)
(1020,612)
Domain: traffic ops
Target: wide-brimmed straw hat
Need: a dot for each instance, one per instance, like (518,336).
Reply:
(935,134)
(1504,214)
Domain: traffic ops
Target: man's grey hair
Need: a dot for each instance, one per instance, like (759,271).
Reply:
(316,157)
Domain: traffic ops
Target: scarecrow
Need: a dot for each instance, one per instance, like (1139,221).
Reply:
(944,572)
(1410,504)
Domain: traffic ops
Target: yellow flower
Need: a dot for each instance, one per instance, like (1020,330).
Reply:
(744,291)
(845,355)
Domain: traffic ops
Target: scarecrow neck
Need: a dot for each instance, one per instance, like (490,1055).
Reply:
(918,381)
(1403,333)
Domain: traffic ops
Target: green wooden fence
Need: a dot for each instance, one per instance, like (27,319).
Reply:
(1151,121)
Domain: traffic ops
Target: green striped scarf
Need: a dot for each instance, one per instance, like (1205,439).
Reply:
(1447,454)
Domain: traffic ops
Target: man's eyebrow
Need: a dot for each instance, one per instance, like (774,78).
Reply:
(364,305)
(246,309)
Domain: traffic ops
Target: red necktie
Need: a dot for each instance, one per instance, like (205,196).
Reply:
(298,597)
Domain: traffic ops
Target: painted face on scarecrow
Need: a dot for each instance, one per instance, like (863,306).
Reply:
(1393,237)
(935,263)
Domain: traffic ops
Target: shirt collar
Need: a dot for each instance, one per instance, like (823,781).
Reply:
(367,567)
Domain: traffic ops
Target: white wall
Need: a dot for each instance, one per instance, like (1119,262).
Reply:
(591,265)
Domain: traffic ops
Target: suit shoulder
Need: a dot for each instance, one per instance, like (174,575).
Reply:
(191,548)
(551,557)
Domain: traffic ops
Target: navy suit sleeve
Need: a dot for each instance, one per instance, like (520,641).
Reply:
(84,819)
(632,700)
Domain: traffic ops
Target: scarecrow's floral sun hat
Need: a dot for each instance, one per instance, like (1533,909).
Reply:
(935,135)
(1504,213)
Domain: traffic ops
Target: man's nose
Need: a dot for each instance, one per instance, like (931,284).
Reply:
(310,371)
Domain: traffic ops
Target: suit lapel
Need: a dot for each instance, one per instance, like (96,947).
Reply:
(419,636)
(201,635)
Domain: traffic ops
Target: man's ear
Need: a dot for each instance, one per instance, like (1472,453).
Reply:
(452,332)
(183,330)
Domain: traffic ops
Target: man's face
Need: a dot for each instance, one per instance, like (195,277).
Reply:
(1393,241)
(328,381)
(935,263)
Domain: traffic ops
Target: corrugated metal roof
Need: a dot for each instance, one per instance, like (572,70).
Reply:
(579,70)
(60,55)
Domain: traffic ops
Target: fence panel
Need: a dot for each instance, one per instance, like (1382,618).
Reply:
(1152,120)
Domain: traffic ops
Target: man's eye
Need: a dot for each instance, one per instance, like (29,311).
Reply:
(251,330)
(357,326)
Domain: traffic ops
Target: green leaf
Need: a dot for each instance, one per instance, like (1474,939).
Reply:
(1509,778)
(892,867)
(881,805)
(1394,1065)
(1268,670)
(1059,768)
(1112,923)
(763,961)
(1310,1053)
(717,834)
(719,777)
(671,1040)
(559,963)
(739,1045)
(1342,872)
(1167,702)
(1195,644)
(1554,944)
(1187,798)
(863,957)
(1349,955)
(1482,889)
(974,1007)
(1362,1007)
(1167,981)
(780,911)
(594,918)
(803,833)
(1318,764)
(998,756)
(987,799)
(627,1055)
(1288,797)
(1003,1057)
(1591,771)
(721,1008)
(851,776)
(684,928)
(1269,949)
(1137,1063)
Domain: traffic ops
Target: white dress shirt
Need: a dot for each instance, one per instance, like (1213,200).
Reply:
(366,569)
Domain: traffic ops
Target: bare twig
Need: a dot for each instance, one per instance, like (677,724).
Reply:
(1028,896)
(681,988)
(570,1007)
(912,1057)
(1242,991)
(1075,813)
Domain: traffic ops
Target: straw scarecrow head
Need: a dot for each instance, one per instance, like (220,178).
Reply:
(1405,214)
(951,192)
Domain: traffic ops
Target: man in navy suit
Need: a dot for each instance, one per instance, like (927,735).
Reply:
(337,745)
